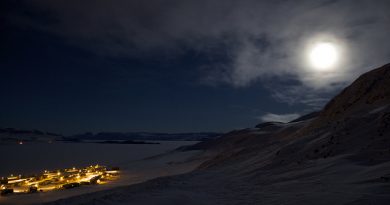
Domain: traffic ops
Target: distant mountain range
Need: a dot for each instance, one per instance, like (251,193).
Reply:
(200,136)
(17,135)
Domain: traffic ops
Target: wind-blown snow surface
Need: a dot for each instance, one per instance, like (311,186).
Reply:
(341,156)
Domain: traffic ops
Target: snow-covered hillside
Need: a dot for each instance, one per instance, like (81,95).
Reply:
(341,156)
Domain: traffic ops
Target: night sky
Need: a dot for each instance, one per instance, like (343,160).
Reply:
(178,65)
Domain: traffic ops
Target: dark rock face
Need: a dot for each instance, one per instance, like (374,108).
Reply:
(370,90)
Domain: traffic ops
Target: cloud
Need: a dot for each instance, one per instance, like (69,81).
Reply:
(313,98)
(259,40)
(271,117)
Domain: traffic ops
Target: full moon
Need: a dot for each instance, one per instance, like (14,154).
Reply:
(323,56)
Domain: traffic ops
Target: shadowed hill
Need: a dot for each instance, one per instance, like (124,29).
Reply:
(355,122)
(370,90)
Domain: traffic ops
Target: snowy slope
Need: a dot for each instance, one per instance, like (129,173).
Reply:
(341,156)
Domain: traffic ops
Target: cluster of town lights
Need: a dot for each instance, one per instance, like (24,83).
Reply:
(58,179)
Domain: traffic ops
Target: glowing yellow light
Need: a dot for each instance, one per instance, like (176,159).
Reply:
(50,180)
